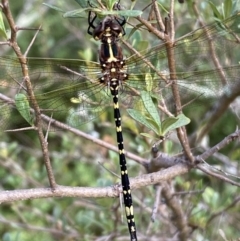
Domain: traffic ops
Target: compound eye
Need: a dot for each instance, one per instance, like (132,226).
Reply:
(116,27)
(97,32)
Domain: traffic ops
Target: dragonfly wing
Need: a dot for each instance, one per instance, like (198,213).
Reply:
(66,90)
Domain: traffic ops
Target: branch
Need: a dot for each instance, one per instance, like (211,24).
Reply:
(179,217)
(201,158)
(228,139)
(26,81)
(112,191)
(218,176)
(162,160)
(59,125)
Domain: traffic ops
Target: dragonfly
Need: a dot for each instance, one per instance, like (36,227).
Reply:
(78,91)
(70,91)
(113,74)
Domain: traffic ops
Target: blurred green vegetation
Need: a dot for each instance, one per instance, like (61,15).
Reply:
(76,161)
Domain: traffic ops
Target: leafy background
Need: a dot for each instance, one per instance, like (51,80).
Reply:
(78,162)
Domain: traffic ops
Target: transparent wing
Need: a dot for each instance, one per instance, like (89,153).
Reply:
(197,50)
(207,67)
(69,90)
(66,90)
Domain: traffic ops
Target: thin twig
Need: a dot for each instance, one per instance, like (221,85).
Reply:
(172,27)
(54,231)
(226,100)
(153,30)
(156,203)
(211,47)
(59,125)
(228,139)
(31,43)
(218,176)
(158,16)
(182,135)
(179,217)
(22,60)
(216,214)
(181,132)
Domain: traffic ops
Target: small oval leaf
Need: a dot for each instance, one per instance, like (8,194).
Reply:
(82,3)
(79,13)
(23,107)
(172,123)
(54,7)
(150,107)
(2,27)
(137,115)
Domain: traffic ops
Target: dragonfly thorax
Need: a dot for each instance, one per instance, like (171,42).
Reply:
(110,53)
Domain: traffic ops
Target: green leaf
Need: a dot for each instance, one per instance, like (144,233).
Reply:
(54,7)
(173,123)
(153,122)
(228,6)
(130,123)
(149,81)
(235,6)
(23,107)
(111,4)
(138,42)
(199,184)
(208,195)
(168,123)
(79,13)
(125,13)
(156,127)
(6,237)
(211,197)
(162,7)
(138,116)
(150,107)
(148,136)
(86,54)
(82,3)
(2,27)
(217,14)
